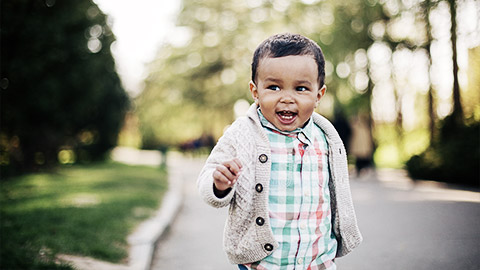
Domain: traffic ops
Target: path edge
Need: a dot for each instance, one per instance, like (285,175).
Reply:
(145,237)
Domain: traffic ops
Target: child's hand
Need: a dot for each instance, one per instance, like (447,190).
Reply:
(226,174)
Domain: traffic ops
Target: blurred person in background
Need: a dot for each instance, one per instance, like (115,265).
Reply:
(361,145)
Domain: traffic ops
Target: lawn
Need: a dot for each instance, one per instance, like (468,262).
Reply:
(80,210)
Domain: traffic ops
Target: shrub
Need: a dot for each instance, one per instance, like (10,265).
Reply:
(453,157)
(60,96)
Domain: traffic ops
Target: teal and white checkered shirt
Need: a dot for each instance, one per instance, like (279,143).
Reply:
(299,200)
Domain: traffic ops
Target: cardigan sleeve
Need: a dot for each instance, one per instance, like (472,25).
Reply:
(225,149)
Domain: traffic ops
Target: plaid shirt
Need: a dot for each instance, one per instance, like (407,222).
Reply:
(299,200)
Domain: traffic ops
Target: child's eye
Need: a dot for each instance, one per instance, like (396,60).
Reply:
(301,88)
(274,88)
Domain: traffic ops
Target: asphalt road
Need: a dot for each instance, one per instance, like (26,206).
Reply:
(406,225)
(424,226)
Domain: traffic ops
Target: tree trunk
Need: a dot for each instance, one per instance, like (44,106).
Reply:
(457,104)
(431,101)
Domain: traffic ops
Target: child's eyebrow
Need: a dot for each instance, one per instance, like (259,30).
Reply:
(275,80)
(304,82)
(279,81)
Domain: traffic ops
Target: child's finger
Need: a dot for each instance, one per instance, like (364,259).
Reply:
(220,178)
(234,166)
(226,172)
(238,162)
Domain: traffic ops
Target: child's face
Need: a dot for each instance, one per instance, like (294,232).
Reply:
(287,90)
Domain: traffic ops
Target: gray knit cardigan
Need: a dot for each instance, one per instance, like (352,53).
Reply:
(244,240)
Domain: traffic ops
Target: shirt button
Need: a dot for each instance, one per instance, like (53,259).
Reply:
(260,221)
(263,158)
(268,247)
(306,194)
(303,226)
(259,188)
(300,260)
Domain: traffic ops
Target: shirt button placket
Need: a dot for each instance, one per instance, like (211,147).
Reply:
(303,226)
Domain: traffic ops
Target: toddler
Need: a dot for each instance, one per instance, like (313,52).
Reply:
(282,169)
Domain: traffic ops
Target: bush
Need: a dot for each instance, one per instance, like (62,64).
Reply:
(453,157)
(60,96)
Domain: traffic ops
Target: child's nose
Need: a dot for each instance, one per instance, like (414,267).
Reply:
(287,97)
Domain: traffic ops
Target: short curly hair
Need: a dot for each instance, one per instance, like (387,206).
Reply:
(289,44)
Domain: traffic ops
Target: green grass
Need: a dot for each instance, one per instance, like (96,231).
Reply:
(80,210)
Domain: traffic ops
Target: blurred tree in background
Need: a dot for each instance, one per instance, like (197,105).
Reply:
(454,151)
(387,58)
(61,98)
(195,84)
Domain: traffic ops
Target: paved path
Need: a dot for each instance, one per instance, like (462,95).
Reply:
(195,240)
(405,226)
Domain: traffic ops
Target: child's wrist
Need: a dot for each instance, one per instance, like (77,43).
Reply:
(220,193)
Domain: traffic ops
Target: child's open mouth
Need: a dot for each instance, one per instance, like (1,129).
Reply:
(286,117)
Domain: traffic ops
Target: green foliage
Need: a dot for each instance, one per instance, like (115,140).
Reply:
(453,157)
(395,149)
(192,87)
(80,210)
(59,89)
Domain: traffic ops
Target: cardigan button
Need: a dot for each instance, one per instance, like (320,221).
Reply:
(268,247)
(260,221)
(263,158)
(259,188)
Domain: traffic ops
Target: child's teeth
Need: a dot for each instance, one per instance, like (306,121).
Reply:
(286,115)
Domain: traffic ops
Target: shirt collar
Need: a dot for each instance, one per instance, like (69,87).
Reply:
(305,132)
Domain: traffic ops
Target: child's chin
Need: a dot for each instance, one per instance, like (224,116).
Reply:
(287,128)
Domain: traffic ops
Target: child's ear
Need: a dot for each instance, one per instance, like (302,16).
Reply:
(320,94)
(253,91)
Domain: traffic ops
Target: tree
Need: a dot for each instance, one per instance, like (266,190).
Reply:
(60,94)
(192,87)
(457,104)
(454,151)
(425,8)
